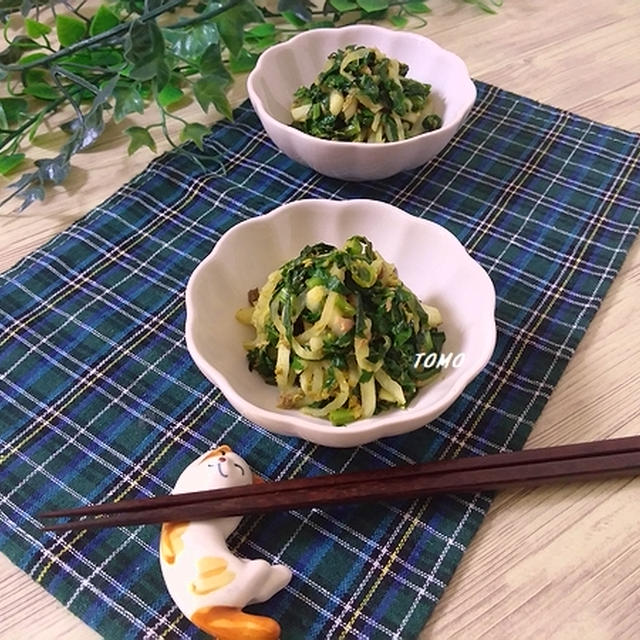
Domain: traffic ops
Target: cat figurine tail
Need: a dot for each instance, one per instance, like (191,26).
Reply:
(207,582)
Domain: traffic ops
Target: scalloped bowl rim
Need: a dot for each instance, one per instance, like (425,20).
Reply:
(294,423)
(256,99)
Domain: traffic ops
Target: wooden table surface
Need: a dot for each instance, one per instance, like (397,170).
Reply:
(553,563)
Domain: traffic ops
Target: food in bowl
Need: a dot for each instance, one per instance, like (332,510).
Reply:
(338,333)
(361,95)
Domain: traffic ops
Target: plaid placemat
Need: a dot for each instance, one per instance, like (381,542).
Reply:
(100,399)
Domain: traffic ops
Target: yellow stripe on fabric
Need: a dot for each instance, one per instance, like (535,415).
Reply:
(170,443)
(78,389)
(552,300)
(383,572)
(135,482)
(98,266)
(72,397)
(56,556)
(498,209)
(76,285)
(172,625)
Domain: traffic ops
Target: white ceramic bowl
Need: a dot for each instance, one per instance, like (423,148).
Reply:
(285,67)
(430,261)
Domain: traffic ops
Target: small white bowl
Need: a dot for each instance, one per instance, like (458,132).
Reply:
(285,67)
(430,261)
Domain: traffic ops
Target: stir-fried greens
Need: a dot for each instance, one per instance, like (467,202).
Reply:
(338,333)
(363,96)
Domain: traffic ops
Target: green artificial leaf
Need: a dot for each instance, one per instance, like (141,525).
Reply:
(211,64)
(260,31)
(103,20)
(4,123)
(30,195)
(232,22)
(32,57)
(144,48)
(33,129)
(79,58)
(195,132)
(14,109)
(79,80)
(261,36)
(24,43)
(128,100)
(106,58)
(140,137)
(53,170)
(293,19)
(417,7)
(69,29)
(398,20)
(301,9)
(16,49)
(488,7)
(10,162)
(169,95)
(320,24)
(243,62)
(34,75)
(190,43)
(210,90)
(36,29)
(85,131)
(373,6)
(41,90)
(343,5)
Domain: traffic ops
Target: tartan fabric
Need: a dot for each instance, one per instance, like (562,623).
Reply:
(100,400)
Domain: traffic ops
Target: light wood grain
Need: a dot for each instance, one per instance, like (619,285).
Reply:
(556,563)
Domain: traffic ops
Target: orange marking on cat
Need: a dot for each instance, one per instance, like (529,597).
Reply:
(221,450)
(171,540)
(210,584)
(230,623)
(212,575)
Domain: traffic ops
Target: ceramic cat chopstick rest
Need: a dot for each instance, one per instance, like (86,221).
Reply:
(208,583)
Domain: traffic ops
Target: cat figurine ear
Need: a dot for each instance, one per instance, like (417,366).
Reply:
(207,582)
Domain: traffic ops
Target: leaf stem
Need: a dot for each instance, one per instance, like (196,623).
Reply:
(114,32)
(25,125)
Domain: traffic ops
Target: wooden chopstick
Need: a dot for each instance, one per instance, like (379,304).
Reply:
(584,461)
